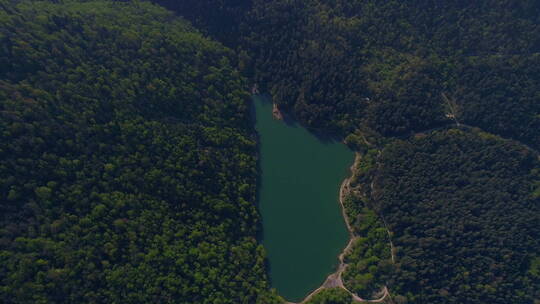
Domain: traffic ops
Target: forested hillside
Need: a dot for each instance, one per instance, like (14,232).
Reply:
(127,160)
(383,66)
(464,212)
(221,19)
(461,205)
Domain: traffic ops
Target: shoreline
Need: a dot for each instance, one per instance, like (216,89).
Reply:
(334,280)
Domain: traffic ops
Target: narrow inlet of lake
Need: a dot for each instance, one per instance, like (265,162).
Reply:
(303,228)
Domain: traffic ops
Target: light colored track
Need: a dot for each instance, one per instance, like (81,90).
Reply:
(334,280)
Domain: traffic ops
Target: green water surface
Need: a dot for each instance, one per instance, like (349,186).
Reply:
(303,229)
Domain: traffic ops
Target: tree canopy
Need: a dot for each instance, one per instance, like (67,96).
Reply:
(128,157)
(463,210)
(128,161)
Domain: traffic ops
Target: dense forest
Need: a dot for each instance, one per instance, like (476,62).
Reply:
(461,206)
(369,263)
(220,18)
(463,209)
(127,160)
(384,66)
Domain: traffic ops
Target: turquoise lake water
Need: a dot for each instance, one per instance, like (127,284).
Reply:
(303,229)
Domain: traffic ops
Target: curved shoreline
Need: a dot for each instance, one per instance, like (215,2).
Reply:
(334,280)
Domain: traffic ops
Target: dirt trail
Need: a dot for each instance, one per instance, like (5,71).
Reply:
(334,280)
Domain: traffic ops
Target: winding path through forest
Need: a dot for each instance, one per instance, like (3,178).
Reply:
(334,280)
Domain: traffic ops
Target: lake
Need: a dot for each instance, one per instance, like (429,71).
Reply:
(303,228)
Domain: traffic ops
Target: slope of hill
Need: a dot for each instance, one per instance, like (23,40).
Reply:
(127,160)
